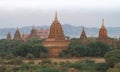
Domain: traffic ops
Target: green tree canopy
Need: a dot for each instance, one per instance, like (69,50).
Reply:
(113,57)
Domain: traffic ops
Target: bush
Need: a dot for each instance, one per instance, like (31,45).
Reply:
(2,55)
(18,60)
(46,61)
(101,67)
(9,56)
(31,62)
(115,69)
(2,69)
(29,56)
(49,70)
(84,65)
(43,55)
(87,61)
(113,57)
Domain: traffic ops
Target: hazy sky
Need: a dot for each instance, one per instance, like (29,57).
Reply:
(75,12)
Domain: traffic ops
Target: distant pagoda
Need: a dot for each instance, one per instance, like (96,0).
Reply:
(33,34)
(83,37)
(17,35)
(103,36)
(56,40)
(9,36)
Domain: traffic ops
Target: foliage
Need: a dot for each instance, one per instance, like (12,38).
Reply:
(115,69)
(113,57)
(2,55)
(29,56)
(19,48)
(46,61)
(87,61)
(101,67)
(98,49)
(24,49)
(9,56)
(18,60)
(84,65)
(2,69)
(49,70)
(92,49)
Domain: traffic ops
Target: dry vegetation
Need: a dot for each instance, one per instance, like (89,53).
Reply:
(72,60)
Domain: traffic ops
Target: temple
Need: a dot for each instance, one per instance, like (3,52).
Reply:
(33,34)
(17,35)
(83,37)
(103,36)
(56,40)
(9,36)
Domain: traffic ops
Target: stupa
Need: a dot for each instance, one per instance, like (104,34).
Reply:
(17,35)
(103,35)
(56,41)
(8,36)
(83,37)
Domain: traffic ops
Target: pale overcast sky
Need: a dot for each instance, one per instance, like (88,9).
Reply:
(75,12)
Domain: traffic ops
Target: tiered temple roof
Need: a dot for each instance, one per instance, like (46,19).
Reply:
(9,36)
(56,40)
(103,36)
(17,35)
(83,37)
(56,31)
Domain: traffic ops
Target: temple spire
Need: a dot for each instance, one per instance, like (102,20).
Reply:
(17,35)
(83,29)
(8,36)
(56,15)
(83,37)
(102,22)
(33,27)
(17,28)
(83,34)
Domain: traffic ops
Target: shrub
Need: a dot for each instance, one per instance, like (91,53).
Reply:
(18,60)
(87,61)
(29,56)
(115,69)
(31,62)
(49,70)
(9,56)
(101,67)
(46,61)
(113,57)
(2,69)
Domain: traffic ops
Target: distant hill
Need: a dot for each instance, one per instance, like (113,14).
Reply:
(69,30)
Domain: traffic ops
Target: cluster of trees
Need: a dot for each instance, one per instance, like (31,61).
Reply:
(34,47)
(113,60)
(92,49)
(29,49)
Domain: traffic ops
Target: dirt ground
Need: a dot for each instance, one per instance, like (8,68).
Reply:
(72,60)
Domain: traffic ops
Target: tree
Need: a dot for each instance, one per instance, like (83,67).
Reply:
(113,57)
(35,49)
(98,49)
(115,69)
(101,67)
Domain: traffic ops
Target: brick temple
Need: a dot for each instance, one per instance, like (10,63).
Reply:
(83,37)
(103,34)
(56,41)
(17,35)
